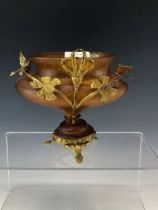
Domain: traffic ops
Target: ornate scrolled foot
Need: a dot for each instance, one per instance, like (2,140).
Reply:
(76,144)
(78,152)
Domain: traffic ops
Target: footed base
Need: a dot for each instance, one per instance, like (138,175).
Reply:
(76,144)
(74,128)
(74,134)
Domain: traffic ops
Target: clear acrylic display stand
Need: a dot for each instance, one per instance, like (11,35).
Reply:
(119,172)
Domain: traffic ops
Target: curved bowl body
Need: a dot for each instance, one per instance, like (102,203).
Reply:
(49,65)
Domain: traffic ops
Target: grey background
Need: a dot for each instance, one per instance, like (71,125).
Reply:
(129,28)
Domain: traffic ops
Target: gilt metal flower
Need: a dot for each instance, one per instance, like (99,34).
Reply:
(106,87)
(46,87)
(77,67)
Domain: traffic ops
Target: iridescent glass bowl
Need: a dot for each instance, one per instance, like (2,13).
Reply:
(71,82)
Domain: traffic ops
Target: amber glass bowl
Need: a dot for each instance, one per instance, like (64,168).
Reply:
(71,82)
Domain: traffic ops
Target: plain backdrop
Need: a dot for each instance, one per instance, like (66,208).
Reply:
(128,28)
